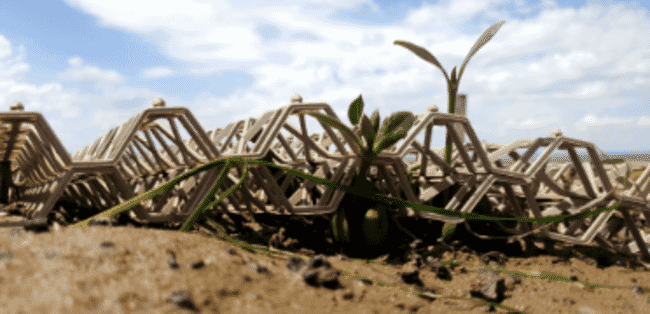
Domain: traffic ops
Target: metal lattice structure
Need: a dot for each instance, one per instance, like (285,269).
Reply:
(519,179)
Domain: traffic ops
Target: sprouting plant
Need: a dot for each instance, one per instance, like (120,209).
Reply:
(452,86)
(360,221)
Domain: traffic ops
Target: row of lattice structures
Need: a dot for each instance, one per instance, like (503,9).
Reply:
(143,153)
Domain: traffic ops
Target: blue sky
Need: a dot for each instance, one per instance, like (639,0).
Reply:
(89,65)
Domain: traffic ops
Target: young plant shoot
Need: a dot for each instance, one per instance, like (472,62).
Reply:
(361,225)
(452,90)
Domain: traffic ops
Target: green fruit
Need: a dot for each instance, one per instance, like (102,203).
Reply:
(340,227)
(375,226)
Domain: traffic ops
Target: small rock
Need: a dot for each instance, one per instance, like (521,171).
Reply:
(495,256)
(319,272)
(107,244)
(489,308)
(230,251)
(321,276)
(442,272)
(295,263)
(489,287)
(173,264)
(568,301)
(245,277)
(411,274)
(260,269)
(183,300)
(197,264)
(635,289)
(319,261)
(348,296)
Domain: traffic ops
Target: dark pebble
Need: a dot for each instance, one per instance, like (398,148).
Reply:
(197,264)
(245,277)
(295,263)
(231,251)
(260,269)
(107,244)
(183,300)
(322,276)
(637,289)
(348,296)
(574,278)
(319,261)
(495,256)
(173,264)
(411,274)
(491,290)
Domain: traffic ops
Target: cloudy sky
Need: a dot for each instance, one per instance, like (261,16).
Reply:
(89,65)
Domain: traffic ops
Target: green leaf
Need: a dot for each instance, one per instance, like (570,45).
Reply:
(335,123)
(355,110)
(487,35)
(374,120)
(447,231)
(422,53)
(367,131)
(395,127)
(393,121)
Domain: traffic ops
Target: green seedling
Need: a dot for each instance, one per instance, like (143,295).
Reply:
(361,225)
(452,90)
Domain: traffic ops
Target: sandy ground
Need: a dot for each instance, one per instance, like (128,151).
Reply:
(120,269)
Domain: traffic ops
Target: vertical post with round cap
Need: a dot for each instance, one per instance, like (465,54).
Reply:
(461,110)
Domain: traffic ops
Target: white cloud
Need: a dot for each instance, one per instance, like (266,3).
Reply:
(157,72)
(75,62)
(592,120)
(562,67)
(644,120)
(90,74)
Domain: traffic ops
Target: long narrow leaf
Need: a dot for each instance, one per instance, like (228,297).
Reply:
(422,53)
(377,197)
(332,122)
(487,35)
(208,197)
(137,200)
(189,223)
